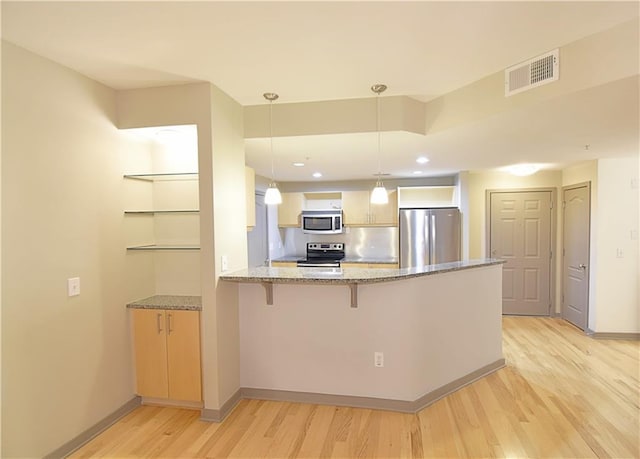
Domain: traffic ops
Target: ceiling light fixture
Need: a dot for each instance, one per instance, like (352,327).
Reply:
(379,194)
(298,164)
(422,160)
(272,195)
(317,174)
(523,170)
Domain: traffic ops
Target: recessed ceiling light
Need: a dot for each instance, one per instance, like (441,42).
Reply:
(317,174)
(298,164)
(523,169)
(422,160)
(417,172)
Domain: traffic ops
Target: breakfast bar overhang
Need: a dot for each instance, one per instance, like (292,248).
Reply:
(433,329)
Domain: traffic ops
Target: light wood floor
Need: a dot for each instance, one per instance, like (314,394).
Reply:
(562,394)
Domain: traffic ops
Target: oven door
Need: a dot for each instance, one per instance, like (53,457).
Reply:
(318,264)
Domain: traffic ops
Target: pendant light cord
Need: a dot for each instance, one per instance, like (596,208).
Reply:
(378,128)
(273,178)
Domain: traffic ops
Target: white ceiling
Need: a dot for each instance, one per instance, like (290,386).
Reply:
(308,51)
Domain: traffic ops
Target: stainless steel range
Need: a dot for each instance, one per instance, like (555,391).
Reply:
(323,255)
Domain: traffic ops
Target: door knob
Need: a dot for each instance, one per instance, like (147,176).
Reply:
(582,266)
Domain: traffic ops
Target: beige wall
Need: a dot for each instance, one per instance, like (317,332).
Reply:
(478,183)
(616,307)
(230,235)
(222,211)
(66,360)
(613,282)
(614,53)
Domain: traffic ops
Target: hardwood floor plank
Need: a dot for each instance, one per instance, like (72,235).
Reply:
(561,395)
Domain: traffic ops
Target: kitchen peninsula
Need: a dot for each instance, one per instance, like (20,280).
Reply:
(411,335)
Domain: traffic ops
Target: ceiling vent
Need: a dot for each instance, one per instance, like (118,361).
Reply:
(532,73)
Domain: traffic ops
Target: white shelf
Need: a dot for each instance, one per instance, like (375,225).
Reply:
(165,247)
(158,177)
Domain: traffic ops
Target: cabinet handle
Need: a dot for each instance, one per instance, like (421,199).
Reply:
(158,318)
(169,329)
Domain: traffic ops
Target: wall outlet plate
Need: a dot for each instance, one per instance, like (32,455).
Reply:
(73,286)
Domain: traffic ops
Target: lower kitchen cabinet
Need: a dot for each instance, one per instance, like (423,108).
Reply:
(370,265)
(167,351)
(284,264)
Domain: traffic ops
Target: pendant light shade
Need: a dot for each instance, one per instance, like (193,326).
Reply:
(272,195)
(379,194)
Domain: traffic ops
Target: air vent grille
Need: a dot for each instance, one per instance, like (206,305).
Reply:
(532,73)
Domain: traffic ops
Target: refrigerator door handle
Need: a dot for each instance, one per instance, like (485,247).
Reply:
(432,241)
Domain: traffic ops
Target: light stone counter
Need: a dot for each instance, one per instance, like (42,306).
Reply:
(348,275)
(176,302)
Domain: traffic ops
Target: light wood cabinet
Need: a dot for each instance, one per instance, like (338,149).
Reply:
(290,209)
(355,207)
(358,210)
(354,265)
(284,264)
(250,191)
(384,265)
(370,265)
(167,351)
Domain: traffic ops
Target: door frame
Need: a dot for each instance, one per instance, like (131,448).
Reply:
(553,261)
(586,184)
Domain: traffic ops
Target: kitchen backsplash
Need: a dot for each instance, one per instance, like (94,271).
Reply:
(369,242)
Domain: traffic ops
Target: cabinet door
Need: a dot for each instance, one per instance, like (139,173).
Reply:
(383,265)
(355,207)
(183,355)
(290,209)
(284,264)
(150,345)
(354,265)
(386,214)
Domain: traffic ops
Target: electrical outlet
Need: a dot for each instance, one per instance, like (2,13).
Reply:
(619,253)
(378,359)
(73,286)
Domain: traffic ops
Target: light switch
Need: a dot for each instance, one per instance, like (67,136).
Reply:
(73,286)
(224,262)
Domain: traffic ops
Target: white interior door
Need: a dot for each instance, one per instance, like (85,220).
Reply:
(520,234)
(575,243)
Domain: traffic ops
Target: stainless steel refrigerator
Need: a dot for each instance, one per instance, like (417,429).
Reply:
(429,236)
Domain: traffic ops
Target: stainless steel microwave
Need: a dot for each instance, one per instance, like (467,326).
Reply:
(322,221)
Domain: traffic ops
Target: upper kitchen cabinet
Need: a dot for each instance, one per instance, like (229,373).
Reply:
(427,196)
(290,209)
(358,210)
(294,203)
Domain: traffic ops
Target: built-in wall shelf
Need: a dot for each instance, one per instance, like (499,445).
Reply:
(156,177)
(152,212)
(165,247)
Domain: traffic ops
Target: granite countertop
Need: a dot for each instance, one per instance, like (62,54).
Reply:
(378,260)
(176,302)
(294,258)
(348,275)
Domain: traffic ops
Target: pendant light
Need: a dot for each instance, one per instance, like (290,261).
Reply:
(379,194)
(272,196)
